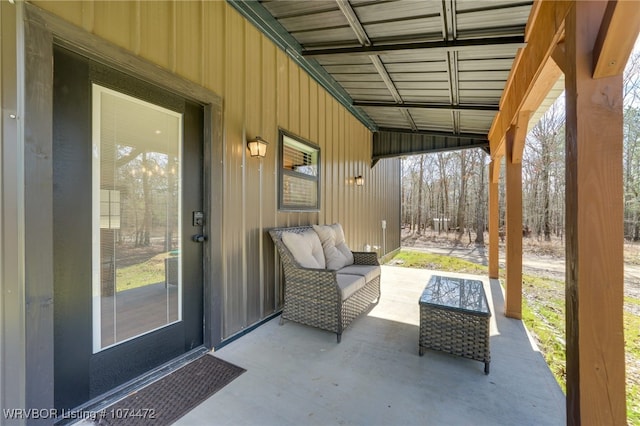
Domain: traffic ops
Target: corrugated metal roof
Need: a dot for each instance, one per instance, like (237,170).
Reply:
(452,54)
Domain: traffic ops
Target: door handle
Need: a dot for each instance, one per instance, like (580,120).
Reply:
(199,238)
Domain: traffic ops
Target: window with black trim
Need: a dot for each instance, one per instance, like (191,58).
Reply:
(299,173)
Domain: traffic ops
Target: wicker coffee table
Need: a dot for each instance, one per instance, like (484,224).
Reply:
(454,318)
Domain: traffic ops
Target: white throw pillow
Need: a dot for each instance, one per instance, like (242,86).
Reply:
(306,248)
(336,252)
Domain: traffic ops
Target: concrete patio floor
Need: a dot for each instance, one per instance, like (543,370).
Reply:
(298,375)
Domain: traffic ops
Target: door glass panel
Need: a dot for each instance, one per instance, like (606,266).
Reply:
(137,262)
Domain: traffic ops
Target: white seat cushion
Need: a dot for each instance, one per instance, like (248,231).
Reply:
(349,284)
(336,252)
(306,248)
(369,272)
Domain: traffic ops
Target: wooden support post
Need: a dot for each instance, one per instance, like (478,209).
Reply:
(514,145)
(494,216)
(594,221)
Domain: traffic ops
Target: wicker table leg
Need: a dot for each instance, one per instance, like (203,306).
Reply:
(486,368)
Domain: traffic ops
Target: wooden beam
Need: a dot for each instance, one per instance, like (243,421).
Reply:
(494,216)
(594,222)
(545,29)
(513,298)
(533,15)
(494,174)
(558,56)
(616,38)
(519,137)
(548,77)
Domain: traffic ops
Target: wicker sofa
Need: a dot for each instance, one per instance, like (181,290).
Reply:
(326,298)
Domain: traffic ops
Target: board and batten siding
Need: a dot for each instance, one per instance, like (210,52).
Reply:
(211,44)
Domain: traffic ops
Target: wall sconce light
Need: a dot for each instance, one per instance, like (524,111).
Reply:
(257,147)
(359,180)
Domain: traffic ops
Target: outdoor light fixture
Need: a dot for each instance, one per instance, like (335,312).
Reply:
(257,147)
(359,180)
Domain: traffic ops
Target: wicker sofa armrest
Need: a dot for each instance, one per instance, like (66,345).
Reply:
(365,258)
(311,275)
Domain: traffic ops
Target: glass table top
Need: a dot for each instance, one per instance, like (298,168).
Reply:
(456,293)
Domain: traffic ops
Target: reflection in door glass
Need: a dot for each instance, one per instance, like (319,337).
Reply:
(137,284)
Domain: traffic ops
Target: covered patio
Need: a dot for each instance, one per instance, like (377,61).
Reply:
(367,89)
(298,375)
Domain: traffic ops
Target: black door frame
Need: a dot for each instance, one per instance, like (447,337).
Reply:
(42,31)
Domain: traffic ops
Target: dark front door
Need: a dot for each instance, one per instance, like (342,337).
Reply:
(127,185)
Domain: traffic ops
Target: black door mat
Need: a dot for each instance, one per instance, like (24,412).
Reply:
(165,401)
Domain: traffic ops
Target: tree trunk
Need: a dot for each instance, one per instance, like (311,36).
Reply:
(480,206)
(146,193)
(420,185)
(462,199)
(546,164)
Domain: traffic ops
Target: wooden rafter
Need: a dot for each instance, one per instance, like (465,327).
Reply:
(519,129)
(616,38)
(544,31)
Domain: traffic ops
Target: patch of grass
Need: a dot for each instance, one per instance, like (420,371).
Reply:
(415,259)
(632,300)
(632,345)
(545,319)
(141,274)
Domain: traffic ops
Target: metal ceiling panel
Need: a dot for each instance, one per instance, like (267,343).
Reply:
(418,55)
(467,5)
(341,78)
(375,97)
(486,65)
(388,117)
(495,20)
(480,93)
(364,85)
(482,76)
(485,85)
(423,93)
(343,36)
(496,52)
(475,122)
(432,98)
(395,10)
(286,8)
(422,85)
(315,21)
(434,115)
(415,67)
(356,93)
(419,76)
(427,28)
(351,69)
(343,60)
(439,57)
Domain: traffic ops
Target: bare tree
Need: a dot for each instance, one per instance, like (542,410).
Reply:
(481,203)
(462,198)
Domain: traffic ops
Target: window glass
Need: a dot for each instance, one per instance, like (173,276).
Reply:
(299,174)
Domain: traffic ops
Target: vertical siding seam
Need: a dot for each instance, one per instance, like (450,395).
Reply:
(173,39)
(203,50)
(261,279)
(88,16)
(243,177)
(136,29)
